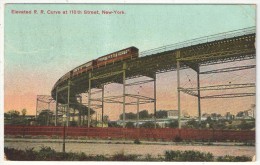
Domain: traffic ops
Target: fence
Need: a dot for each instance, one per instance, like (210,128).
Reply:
(167,134)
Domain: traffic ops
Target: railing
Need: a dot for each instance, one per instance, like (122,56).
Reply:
(215,37)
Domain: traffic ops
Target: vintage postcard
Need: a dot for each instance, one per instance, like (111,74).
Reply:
(129,82)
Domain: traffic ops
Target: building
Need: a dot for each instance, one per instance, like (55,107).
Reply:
(229,116)
(248,114)
(172,114)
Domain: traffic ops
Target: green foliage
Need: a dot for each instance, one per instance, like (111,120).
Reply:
(172,155)
(106,119)
(13,117)
(6,116)
(113,124)
(188,156)
(240,114)
(128,116)
(221,124)
(228,158)
(45,117)
(149,157)
(100,158)
(30,154)
(161,114)
(137,141)
(48,154)
(13,113)
(129,125)
(173,124)
(247,125)
(75,156)
(192,124)
(208,120)
(17,121)
(14,154)
(24,111)
(149,125)
(144,114)
(123,157)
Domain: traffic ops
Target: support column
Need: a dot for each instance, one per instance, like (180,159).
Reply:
(36,107)
(155,100)
(124,68)
(82,115)
(56,109)
(138,113)
(198,86)
(74,111)
(178,89)
(89,98)
(80,112)
(48,118)
(96,119)
(102,113)
(68,106)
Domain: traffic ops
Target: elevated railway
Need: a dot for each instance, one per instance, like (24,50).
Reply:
(227,47)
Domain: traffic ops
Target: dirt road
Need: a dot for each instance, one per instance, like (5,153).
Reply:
(110,148)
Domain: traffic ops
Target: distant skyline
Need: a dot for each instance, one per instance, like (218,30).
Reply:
(40,48)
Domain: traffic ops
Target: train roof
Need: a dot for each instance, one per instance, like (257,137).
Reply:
(132,47)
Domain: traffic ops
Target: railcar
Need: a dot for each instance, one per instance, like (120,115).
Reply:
(121,55)
(124,54)
(83,68)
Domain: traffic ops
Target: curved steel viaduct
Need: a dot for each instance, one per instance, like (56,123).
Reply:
(210,50)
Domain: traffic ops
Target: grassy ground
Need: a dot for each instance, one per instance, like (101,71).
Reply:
(48,154)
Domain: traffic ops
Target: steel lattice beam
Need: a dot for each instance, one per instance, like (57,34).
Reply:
(187,91)
(112,99)
(201,40)
(229,69)
(222,48)
(215,55)
(231,95)
(139,82)
(220,87)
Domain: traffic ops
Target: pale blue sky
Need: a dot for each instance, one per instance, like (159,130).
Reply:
(41,48)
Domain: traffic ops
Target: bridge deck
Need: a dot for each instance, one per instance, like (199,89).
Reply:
(238,46)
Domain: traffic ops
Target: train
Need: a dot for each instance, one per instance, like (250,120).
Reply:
(121,55)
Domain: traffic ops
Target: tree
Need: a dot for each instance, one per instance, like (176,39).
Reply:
(113,124)
(130,116)
(6,115)
(240,114)
(105,118)
(24,111)
(13,118)
(161,114)
(143,114)
(13,113)
(129,125)
(247,125)
(173,124)
(45,117)
(209,120)
(192,124)
(149,125)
